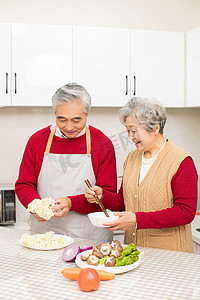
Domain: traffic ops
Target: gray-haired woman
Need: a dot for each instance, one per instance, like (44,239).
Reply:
(159,186)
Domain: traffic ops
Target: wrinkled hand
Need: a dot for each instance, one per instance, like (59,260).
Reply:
(62,208)
(39,219)
(89,194)
(126,220)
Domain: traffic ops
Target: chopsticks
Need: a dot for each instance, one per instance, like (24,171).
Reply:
(97,199)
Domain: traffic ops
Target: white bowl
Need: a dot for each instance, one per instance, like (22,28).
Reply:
(98,218)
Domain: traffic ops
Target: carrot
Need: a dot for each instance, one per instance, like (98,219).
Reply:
(72,273)
(104,275)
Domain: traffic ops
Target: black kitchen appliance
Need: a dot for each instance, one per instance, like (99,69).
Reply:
(7,204)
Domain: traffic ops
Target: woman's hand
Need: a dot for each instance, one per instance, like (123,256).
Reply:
(90,193)
(62,208)
(126,220)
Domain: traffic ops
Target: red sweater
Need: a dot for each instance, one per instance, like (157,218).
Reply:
(103,162)
(184,189)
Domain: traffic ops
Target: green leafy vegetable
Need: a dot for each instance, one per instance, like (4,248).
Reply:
(129,256)
(103,259)
(129,249)
(126,260)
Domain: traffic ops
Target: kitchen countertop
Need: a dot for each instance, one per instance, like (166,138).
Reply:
(34,274)
(194,225)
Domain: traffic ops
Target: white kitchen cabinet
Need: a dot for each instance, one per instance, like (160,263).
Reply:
(113,69)
(196,248)
(41,62)
(157,66)
(5,65)
(113,64)
(193,67)
(101,62)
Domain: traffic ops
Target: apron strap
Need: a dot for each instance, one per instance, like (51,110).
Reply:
(88,140)
(48,146)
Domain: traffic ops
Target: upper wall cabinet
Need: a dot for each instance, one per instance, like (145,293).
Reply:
(113,64)
(101,62)
(41,62)
(157,66)
(113,69)
(193,67)
(5,64)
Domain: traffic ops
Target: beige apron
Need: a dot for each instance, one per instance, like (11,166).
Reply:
(63,175)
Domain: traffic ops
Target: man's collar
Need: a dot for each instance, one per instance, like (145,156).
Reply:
(58,133)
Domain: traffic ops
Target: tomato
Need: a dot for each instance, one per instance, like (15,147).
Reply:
(88,280)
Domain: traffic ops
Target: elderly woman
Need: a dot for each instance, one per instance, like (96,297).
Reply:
(159,186)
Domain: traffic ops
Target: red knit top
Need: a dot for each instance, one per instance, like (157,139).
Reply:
(103,162)
(184,189)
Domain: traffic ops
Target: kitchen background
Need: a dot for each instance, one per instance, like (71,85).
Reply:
(17,123)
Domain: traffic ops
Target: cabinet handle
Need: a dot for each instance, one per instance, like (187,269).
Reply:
(6,83)
(15,83)
(134,82)
(126,85)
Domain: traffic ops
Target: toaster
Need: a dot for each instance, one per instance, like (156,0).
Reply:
(7,204)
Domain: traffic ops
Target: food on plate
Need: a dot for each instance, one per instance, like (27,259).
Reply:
(116,244)
(105,249)
(88,280)
(85,255)
(72,273)
(42,207)
(97,253)
(45,240)
(93,260)
(114,254)
(98,246)
(110,261)
(70,252)
(130,254)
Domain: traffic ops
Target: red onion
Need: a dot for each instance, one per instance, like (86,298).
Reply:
(70,252)
(86,248)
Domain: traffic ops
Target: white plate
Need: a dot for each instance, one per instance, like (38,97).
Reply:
(116,270)
(68,239)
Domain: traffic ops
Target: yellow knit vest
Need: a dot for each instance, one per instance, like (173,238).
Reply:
(154,193)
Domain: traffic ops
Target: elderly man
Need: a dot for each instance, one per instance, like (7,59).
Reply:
(58,159)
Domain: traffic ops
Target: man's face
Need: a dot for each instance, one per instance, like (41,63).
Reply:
(71,118)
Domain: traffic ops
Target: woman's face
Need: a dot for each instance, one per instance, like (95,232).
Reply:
(143,139)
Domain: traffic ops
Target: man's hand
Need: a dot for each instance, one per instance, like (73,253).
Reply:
(62,208)
(89,194)
(40,220)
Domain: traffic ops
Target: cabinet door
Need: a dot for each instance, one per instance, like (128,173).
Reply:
(5,65)
(101,62)
(42,62)
(192,68)
(158,66)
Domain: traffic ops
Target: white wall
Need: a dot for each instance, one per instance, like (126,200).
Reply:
(173,15)
(17,124)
